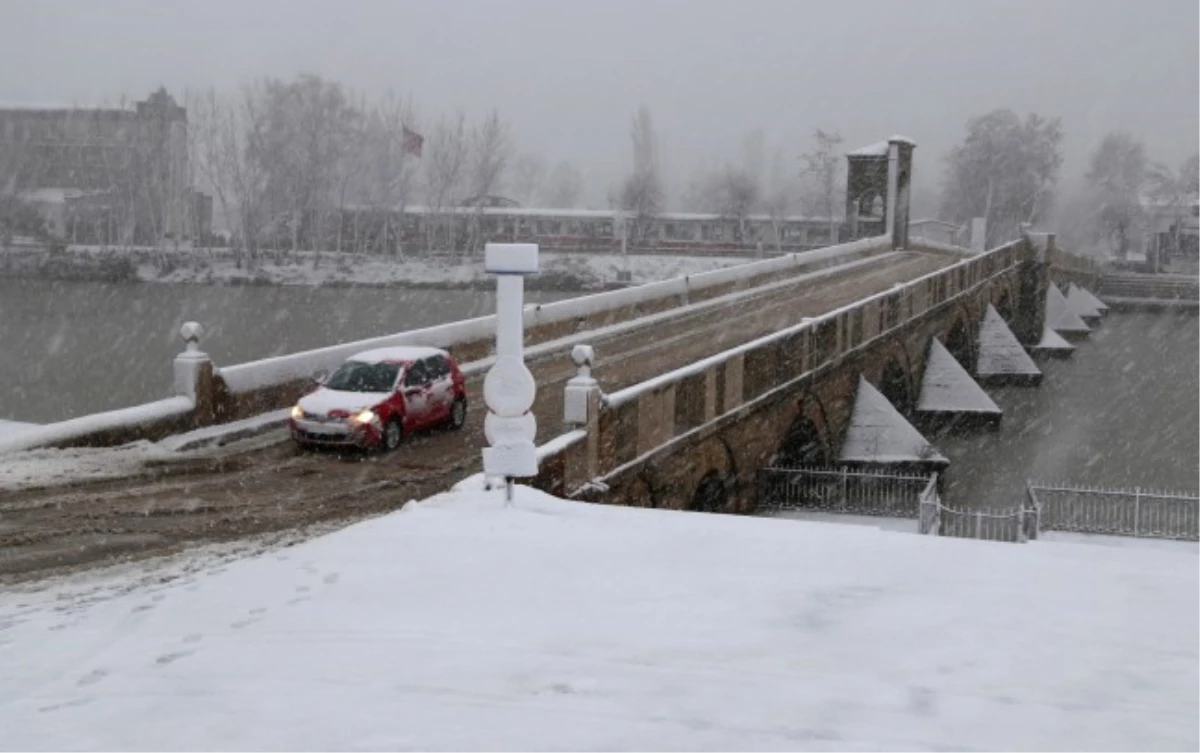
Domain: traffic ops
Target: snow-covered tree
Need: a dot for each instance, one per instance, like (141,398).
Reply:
(445,167)
(563,187)
(642,192)
(528,175)
(1115,179)
(729,191)
(1005,170)
(821,169)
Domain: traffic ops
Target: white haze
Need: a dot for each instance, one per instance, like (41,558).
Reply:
(569,75)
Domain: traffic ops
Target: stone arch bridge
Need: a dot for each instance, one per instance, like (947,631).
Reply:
(694,438)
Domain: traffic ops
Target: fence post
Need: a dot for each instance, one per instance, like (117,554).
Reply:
(845,491)
(1137,510)
(978,525)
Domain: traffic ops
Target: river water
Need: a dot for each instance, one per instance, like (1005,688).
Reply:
(72,348)
(1123,411)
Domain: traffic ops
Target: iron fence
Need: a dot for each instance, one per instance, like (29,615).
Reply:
(1119,512)
(841,490)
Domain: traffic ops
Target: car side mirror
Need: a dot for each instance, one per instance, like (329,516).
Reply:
(320,376)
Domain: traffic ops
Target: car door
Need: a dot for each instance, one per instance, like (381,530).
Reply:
(441,387)
(417,396)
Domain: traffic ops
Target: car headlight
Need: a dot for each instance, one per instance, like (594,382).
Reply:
(297,412)
(365,417)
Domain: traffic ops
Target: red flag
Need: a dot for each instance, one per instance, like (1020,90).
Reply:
(413,143)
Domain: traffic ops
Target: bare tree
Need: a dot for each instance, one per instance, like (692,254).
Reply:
(563,188)
(303,132)
(821,169)
(445,167)
(779,196)
(642,193)
(491,149)
(386,163)
(528,175)
(729,191)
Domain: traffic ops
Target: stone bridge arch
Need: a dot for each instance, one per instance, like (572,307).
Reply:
(960,337)
(806,439)
(1003,299)
(714,480)
(893,373)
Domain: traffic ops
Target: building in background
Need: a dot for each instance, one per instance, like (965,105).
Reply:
(104,175)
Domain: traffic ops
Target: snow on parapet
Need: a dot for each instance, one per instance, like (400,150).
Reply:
(1079,302)
(1059,316)
(1000,352)
(947,387)
(62,431)
(879,434)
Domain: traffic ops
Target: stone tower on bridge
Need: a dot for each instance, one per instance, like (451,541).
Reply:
(878,180)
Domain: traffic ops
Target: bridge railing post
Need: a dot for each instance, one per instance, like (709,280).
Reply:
(194,374)
(581,404)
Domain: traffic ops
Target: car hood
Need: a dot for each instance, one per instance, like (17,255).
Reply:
(324,400)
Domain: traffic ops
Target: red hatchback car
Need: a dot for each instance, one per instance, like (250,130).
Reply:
(376,397)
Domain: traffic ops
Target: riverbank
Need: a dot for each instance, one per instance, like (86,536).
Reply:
(561,271)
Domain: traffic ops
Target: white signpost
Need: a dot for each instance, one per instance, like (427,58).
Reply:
(509,387)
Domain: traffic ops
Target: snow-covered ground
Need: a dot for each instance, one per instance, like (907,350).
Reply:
(50,467)
(310,268)
(458,623)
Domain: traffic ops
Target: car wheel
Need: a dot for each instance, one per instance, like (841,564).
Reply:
(392,434)
(458,414)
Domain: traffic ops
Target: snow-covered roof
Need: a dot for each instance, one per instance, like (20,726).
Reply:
(878,149)
(1059,316)
(1000,352)
(57,106)
(879,434)
(397,354)
(948,387)
(598,214)
(902,140)
(55,195)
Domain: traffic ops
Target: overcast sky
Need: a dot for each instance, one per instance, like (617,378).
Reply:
(568,74)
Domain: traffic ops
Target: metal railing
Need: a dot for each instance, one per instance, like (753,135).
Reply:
(1118,512)
(841,490)
(987,525)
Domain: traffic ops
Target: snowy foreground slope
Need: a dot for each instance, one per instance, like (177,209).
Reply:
(460,624)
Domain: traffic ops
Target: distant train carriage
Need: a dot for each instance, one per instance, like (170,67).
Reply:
(581,230)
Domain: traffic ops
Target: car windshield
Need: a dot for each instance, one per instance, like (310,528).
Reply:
(356,376)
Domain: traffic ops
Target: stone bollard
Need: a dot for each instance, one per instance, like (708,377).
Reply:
(194,374)
(581,404)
